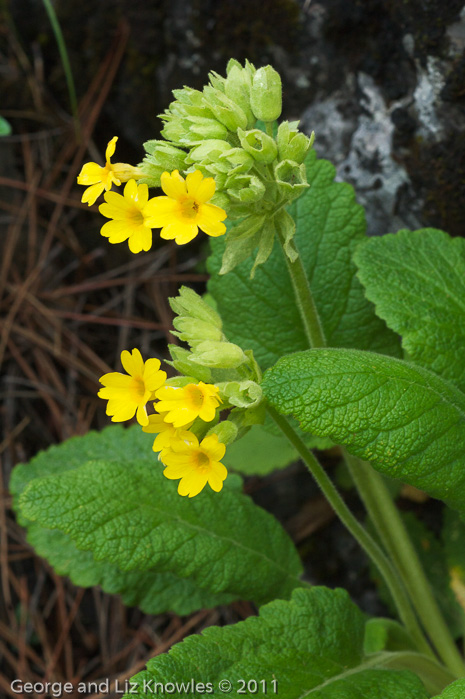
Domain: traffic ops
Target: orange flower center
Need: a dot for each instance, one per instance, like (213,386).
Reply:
(203,461)
(138,385)
(189,208)
(195,395)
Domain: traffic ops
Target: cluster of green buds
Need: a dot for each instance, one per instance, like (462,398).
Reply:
(227,131)
(213,360)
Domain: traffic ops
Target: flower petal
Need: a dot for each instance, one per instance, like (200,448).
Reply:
(92,193)
(91,173)
(182,232)
(115,231)
(173,185)
(132,362)
(160,211)
(193,182)
(140,239)
(205,190)
(111,147)
(192,484)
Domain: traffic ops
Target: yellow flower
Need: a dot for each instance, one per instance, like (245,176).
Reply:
(195,464)
(165,431)
(185,209)
(100,178)
(128,395)
(129,214)
(183,405)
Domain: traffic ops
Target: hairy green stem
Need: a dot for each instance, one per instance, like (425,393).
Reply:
(305,301)
(358,532)
(395,539)
(435,677)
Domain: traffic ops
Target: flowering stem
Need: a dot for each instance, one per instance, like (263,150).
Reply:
(305,301)
(397,543)
(358,532)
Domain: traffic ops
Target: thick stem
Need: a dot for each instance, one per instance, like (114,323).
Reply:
(358,532)
(435,677)
(305,302)
(395,539)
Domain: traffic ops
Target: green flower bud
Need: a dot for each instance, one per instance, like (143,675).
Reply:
(259,145)
(194,330)
(226,431)
(218,355)
(245,188)
(266,94)
(210,150)
(224,109)
(242,394)
(182,362)
(292,144)
(188,303)
(161,157)
(291,179)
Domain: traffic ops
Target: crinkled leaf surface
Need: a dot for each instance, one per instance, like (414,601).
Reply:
(407,421)
(152,591)
(261,313)
(312,646)
(127,513)
(416,279)
(456,690)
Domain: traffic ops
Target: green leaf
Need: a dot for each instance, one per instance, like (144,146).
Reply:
(152,592)
(261,313)
(120,507)
(408,422)
(309,646)
(5,127)
(417,281)
(456,690)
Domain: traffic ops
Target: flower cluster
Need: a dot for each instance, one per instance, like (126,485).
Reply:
(190,438)
(128,394)
(180,214)
(224,140)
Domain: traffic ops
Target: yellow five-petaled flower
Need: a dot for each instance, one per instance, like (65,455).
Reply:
(129,214)
(128,394)
(185,209)
(195,464)
(101,178)
(183,405)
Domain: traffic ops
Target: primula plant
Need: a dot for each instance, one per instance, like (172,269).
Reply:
(311,336)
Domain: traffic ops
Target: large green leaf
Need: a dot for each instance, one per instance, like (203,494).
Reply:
(121,508)
(417,281)
(153,592)
(309,646)
(407,421)
(456,690)
(261,313)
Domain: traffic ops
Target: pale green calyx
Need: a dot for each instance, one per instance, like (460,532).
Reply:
(190,304)
(266,94)
(242,394)
(292,144)
(226,431)
(218,355)
(259,145)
